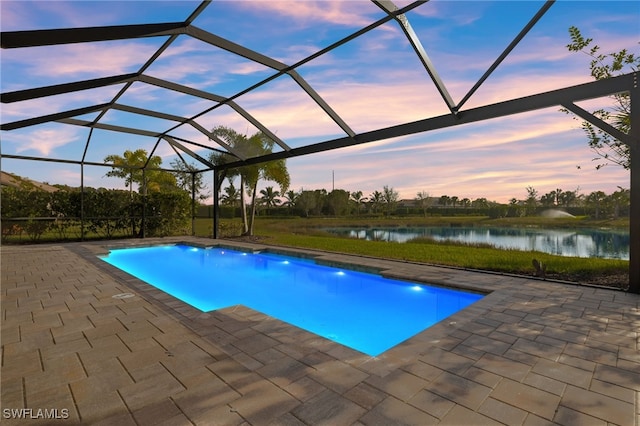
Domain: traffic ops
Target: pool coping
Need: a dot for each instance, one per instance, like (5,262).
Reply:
(529,352)
(356,263)
(317,258)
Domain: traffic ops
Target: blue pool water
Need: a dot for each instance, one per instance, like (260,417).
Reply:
(363,311)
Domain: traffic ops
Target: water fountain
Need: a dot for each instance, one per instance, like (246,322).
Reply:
(555,214)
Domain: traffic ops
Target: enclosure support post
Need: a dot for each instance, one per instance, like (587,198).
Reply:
(81,201)
(193,203)
(216,179)
(143,223)
(634,189)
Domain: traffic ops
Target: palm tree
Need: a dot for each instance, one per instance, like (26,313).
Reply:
(358,199)
(131,167)
(376,199)
(269,197)
(390,197)
(290,199)
(256,145)
(231,195)
(422,199)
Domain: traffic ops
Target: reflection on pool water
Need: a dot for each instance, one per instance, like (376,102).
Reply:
(364,311)
(608,244)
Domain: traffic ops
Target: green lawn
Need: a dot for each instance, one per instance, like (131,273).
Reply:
(306,233)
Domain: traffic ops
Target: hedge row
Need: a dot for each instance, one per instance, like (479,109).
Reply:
(104,213)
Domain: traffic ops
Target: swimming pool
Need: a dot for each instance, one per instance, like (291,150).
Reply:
(366,312)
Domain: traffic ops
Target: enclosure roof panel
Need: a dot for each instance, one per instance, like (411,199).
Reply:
(308,75)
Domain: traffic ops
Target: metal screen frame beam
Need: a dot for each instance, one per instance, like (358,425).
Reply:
(147,112)
(52,117)
(321,102)
(603,125)
(110,127)
(187,151)
(388,6)
(80,162)
(212,97)
(19,39)
(634,189)
(234,48)
(595,89)
(60,89)
(545,7)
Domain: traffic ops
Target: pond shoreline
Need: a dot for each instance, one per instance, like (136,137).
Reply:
(307,233)
(574,242)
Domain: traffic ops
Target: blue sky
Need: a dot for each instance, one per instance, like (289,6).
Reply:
(373,82)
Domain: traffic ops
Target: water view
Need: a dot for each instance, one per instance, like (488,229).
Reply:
(602,243)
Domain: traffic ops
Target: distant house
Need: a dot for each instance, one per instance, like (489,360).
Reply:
(413,203)
(407,203)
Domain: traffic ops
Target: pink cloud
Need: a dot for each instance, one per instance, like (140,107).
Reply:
(43,106)
(347,13)
(84,60)
(43,140)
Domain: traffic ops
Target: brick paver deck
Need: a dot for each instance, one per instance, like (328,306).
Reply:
(530,353)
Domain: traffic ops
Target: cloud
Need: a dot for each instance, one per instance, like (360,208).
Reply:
(43,140)
(343,13)
(83,60)
(497,159)
(44,106)
(200,65)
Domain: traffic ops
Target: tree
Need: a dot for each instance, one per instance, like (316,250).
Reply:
(568,198)
(290,198)
(269,197)
(358,199)
(603,66)
(480,203)
(595,200)
(188,180)
(231,195)
(620,198)
(256,145)
(548,199)
(376,199)
(136,167)
(422,199)
(337,202)
(307,201)
(390,197)
(532,199)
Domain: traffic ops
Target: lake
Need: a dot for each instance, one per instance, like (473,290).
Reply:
(601,243)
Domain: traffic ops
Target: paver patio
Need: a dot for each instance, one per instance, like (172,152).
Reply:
(531,352)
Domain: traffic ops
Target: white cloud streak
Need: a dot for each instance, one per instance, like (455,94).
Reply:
(42,141)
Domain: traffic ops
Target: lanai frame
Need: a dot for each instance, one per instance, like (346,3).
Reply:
(566,97)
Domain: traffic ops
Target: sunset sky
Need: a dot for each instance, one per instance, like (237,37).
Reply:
(373,82)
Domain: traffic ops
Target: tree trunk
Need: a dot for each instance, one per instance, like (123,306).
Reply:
(253,207)
(245,224)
